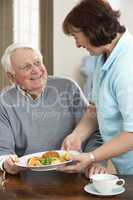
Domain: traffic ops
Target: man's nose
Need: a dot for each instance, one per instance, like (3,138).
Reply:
(35,68)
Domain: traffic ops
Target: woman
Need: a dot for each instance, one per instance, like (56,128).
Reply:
(95,27)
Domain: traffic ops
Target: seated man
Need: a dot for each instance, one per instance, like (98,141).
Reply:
(37,112)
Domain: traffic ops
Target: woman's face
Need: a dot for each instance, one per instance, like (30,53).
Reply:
(82,41)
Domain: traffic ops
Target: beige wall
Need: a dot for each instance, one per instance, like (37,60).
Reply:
(126,8)
(67,57)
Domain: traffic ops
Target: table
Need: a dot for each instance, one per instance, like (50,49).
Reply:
(54,186)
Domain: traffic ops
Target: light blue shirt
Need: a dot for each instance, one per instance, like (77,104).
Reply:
(113,95)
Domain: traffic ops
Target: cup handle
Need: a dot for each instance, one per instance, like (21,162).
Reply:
(120,182)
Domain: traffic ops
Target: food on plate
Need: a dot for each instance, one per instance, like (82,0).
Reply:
(51,154)
(49,158)
(34,161)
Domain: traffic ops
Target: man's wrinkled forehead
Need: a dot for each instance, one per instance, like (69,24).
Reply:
(21,51)
(22,55)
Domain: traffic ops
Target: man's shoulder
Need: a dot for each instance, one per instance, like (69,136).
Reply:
(61,81)
(66,85)
(8,91)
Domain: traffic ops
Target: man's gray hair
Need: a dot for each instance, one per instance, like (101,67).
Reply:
(6,58)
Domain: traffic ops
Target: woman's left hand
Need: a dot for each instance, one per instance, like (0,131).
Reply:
(96,168)
(81,161)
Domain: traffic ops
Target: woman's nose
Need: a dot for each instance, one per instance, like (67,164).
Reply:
(78,45)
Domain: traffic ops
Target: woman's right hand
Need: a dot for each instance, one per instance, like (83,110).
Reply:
(72,142)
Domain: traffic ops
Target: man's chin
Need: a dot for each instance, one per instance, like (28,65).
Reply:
(39,85)
(36,90)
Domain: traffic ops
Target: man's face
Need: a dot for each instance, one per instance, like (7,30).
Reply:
(29,72)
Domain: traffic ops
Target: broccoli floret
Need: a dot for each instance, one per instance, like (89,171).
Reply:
(46,161)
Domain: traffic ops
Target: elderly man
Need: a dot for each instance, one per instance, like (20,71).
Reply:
(37,112)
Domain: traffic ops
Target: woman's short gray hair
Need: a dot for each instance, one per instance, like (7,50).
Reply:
(6,58)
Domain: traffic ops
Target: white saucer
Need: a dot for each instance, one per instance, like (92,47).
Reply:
(90,189)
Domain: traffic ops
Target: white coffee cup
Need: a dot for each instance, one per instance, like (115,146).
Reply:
(106,183)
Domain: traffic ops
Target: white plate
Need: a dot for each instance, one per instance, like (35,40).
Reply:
(90,189)
(24,159)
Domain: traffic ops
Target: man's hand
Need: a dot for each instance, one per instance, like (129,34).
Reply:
(96,168)
(9,165)
(72,142)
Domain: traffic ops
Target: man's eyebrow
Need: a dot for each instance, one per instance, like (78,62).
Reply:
(27,63)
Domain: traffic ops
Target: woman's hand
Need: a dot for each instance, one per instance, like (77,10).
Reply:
(81,162)
(96,168)
(72,142)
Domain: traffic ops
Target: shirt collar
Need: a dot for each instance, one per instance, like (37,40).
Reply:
(116,52)
(26,94)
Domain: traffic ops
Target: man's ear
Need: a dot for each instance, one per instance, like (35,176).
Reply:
(11,77)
